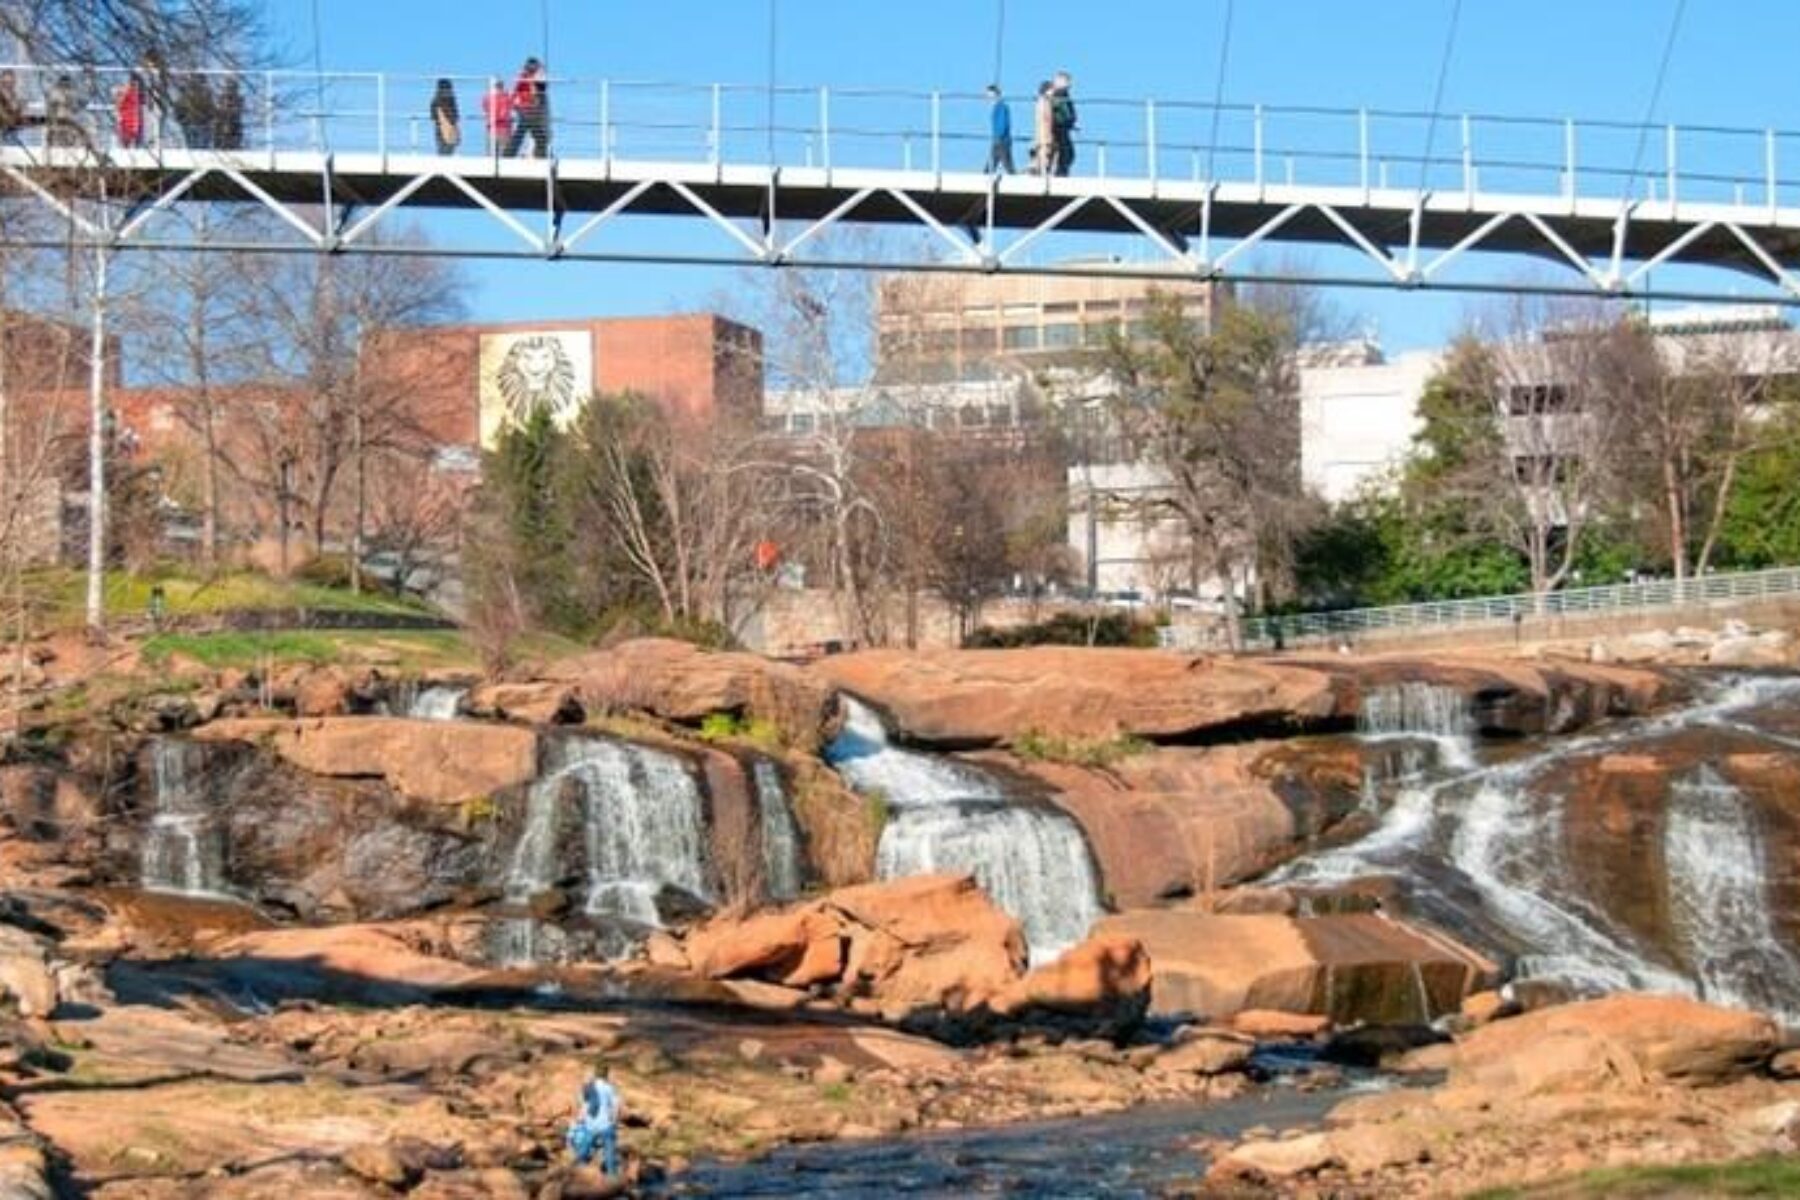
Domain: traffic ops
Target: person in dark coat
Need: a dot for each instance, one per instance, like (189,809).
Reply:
(1062,123)
(61,121)
(228,123)
(194,110)
(446,119)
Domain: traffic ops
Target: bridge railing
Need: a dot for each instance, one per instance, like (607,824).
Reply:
(794,126)
(1445,615)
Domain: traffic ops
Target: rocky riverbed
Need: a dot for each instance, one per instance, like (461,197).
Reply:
(357,935)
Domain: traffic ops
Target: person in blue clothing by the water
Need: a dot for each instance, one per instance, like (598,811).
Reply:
(596,1123)
(1000,117)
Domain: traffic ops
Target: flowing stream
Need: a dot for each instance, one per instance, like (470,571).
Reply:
(183,850)
(780,836)
(1480,850)
(945,815)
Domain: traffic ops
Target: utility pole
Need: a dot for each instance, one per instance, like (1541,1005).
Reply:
(97,437)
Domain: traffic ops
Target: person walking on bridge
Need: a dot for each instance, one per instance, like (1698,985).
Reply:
(130,108)
(1043,131)
(496,109)
(1000,156)
(531,111)
(1062,123)
(446,119)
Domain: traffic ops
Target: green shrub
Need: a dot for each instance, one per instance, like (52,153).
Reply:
(327,570)
(1080,752)
(1068,629)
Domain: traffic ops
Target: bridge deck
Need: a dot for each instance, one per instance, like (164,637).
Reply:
(769,187)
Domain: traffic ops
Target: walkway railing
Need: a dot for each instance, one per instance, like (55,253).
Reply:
(938,131)
(1445,615)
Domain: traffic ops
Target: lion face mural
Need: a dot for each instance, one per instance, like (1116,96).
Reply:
(536,373)
(529,371)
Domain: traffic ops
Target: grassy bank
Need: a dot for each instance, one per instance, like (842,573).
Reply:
(1751,1177)
(59,596)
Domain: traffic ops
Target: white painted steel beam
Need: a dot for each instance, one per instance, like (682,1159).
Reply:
(1607,247)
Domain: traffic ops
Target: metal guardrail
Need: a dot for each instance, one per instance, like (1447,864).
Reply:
(846,127)
(1525,606)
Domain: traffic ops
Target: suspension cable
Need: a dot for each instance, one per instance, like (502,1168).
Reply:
(999,42)
(544,32)
(1437,95)
(1212,140)
(1656,90)
(774,9)
(320,123)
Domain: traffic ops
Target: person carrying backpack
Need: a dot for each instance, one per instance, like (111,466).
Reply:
(1062,123)
(596,1123)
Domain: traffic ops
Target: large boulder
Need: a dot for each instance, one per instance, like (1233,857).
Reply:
(448,762)
(1349,967)
(970,698)
(27,976)
(1105,979)
(1181,821)
(678,681)
(965,698)
(357,963)
(540,702)
(1617,1040)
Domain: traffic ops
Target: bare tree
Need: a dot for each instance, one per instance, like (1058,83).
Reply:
(1689,404)
(199,341)
(1215,415)
(316,314)
(1525,430)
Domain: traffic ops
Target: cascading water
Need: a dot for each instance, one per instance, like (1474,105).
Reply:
(780,836)
(1481,851)
(1719,897)
(436,702)
(642,829)
(1443,716)
(183,849)
(949,816)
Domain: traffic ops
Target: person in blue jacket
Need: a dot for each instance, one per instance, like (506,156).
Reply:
(1000,119)
(596,1123)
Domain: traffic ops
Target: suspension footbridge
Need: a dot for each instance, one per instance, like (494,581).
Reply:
(1202,190)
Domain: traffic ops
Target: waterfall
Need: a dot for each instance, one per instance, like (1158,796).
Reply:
(1719,898)
(437,702)
(1510,849)
(1481,851)
(1441,715)
(950,816)
(780,837)
(1033,863)
(183,848)
(644,829)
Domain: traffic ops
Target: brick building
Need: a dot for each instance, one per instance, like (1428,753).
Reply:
(469,380)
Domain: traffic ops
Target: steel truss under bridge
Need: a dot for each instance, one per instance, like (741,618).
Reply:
(1189,190)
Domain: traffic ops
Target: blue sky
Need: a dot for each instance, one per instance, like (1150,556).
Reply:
(1732,65)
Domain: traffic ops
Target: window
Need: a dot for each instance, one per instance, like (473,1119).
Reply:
(1063,306)
(1061,336)
(978,340)
(1102,306)
(1020,337)
(1540,399)
(1098,333)
(999,414)
(972,416)
(800,422)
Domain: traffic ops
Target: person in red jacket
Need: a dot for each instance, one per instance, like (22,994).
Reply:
(531,110)
(497,110)
(129,104)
